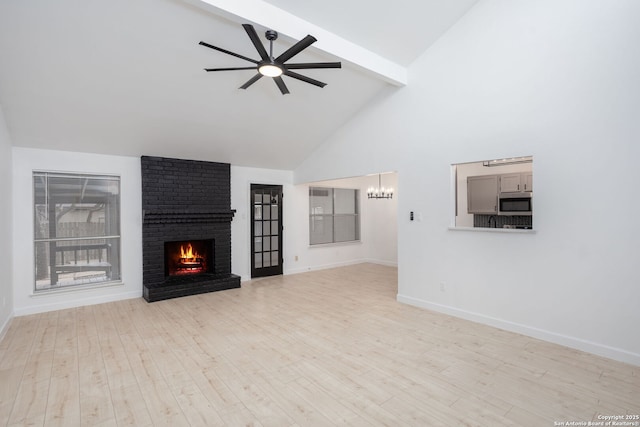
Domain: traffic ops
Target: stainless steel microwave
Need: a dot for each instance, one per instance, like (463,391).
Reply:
(519,203)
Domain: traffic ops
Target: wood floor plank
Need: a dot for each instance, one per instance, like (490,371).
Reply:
(119,372)
(257,401)
(129,407)
(329,347)
(10,379)
(86,321)
(95,396)
(38,366)
(45,335)
(298,408)
(63,401)
(31,403)
(21,337)
(171,367)
(196,407)
(162,405)
(140,360)
(323,401)
(217,393)
(239,415)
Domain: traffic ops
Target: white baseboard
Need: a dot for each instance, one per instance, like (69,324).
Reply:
(382,262)
(339,264)
(618,354)
(5,326)
(288,271)
(43,308)
(324,266)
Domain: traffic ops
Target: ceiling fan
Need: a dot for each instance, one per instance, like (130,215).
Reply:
(272,67)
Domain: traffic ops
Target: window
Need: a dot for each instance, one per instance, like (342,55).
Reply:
(493,194)
(333,215)
(76,229)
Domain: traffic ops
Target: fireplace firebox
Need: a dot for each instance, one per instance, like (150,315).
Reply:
(188,257)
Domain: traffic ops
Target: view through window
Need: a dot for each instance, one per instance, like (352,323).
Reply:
(76,228)
(334,215)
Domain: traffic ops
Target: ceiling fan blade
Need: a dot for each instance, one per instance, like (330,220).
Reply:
(304,78)
(283,87)
(251,32)
(230,69)
(219,49)
(296,49)
(251,81)
(309,65)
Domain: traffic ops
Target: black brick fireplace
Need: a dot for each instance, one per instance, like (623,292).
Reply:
(186,231)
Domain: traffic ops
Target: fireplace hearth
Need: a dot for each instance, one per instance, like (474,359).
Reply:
(186,230)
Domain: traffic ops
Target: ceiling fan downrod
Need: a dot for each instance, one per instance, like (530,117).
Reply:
(271,36)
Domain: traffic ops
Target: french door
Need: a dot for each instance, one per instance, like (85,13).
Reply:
(266,230)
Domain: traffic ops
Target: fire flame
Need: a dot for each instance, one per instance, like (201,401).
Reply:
(189,253)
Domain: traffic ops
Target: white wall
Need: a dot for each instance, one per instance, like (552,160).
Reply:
(556,80)
(25,161)
(380,216)
(379,232)
(6,294)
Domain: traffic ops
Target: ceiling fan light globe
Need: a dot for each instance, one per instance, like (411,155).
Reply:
(270,70)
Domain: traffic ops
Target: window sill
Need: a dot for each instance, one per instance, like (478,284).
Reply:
(324,245)
(494,230)
(77,288)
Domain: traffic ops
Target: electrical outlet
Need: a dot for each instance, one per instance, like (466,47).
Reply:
(443,286)
(295,258)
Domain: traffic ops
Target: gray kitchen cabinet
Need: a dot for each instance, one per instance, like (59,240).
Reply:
(511,183)
(482,194)
(516,182)
(527,181)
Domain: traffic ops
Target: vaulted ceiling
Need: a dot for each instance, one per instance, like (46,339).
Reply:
(126,77)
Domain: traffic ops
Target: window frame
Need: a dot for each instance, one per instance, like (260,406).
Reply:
(112,242)
(333,216)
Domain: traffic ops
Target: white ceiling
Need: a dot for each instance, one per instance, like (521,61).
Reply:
(126,77)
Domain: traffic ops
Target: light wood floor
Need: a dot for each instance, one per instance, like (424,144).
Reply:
(323,348)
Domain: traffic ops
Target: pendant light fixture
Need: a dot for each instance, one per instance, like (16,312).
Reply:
(380,192)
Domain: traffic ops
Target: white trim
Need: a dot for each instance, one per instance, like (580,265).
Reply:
(345,243)
(5,327)
(324,266)
(43,308)
(567,341)
(382,262)
(75,288)
(340,264)
(494,230)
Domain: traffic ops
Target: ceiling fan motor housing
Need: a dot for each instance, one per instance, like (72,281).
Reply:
(271,35)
